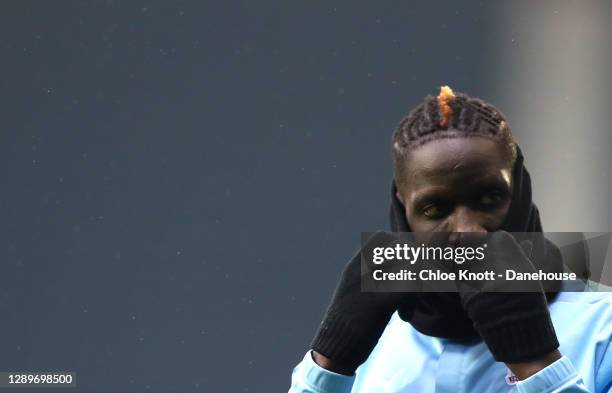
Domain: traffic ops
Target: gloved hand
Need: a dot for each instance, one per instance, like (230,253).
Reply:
(355,320)
(516,326)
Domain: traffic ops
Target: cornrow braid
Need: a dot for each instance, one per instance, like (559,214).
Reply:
(449,115)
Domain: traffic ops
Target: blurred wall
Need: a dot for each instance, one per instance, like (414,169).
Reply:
(552,79)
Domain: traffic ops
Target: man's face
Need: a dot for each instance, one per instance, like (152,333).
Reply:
(457,185)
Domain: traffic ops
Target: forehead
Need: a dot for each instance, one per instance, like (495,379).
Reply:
(456,162)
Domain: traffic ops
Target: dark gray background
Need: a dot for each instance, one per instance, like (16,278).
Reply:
(182,182)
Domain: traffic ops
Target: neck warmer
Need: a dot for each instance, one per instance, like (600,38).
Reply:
(440,314)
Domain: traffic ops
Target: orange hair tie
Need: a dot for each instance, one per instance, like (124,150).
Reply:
(444,98)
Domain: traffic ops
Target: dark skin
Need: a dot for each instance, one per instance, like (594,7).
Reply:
(458,185)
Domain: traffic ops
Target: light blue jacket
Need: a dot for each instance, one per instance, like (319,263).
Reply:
(405,360)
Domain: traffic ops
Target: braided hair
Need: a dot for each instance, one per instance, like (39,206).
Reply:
(449,115)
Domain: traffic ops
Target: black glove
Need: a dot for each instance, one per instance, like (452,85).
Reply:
(516,326)
(355,320)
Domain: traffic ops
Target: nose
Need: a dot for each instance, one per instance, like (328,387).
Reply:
(465,219)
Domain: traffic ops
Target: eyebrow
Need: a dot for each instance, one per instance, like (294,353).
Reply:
(433,193)
(430,194)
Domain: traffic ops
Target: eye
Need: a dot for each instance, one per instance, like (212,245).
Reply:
(491,198)
(435,210)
